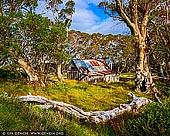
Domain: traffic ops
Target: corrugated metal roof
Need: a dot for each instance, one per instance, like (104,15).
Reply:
(92,67)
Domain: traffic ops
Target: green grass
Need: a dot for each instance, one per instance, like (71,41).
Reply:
(89,97)
(15,115)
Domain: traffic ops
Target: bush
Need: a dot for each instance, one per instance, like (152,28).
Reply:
(154,121)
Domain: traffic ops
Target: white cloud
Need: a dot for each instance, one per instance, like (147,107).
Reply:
(85,20)
(109,26)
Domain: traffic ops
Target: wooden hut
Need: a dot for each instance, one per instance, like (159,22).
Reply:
(91,70)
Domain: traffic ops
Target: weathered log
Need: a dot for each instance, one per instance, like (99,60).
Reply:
(95,116)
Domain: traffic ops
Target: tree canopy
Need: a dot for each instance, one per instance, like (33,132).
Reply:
(31,40)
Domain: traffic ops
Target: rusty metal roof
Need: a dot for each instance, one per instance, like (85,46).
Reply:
(91,67)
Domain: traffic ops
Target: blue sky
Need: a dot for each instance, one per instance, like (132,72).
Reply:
(90,19)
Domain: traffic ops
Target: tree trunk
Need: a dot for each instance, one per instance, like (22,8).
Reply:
(0,9)
(59,75)
(143,79)
(33,75)
(67,27)
(136,18)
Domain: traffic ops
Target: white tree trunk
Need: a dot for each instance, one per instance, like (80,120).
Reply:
(95,116)
(59,75)
(33,76)
(143,79)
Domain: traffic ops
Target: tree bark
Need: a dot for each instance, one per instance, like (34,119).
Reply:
(143,79)
(59,74)
(67,26)
(138,28)
(1,9)
(33,75)
(94,116)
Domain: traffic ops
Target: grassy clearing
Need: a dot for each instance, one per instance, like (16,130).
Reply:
(89,97)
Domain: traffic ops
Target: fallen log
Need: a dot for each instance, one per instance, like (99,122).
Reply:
(94,116)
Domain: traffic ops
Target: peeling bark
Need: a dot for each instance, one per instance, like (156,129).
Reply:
(94,116)
(143,81)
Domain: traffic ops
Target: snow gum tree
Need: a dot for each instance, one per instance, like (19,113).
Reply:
(30,40)
(136,14)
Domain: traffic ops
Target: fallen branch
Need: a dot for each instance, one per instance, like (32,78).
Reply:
(95,116)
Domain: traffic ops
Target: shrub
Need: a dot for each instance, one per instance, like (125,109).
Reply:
(154,121)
